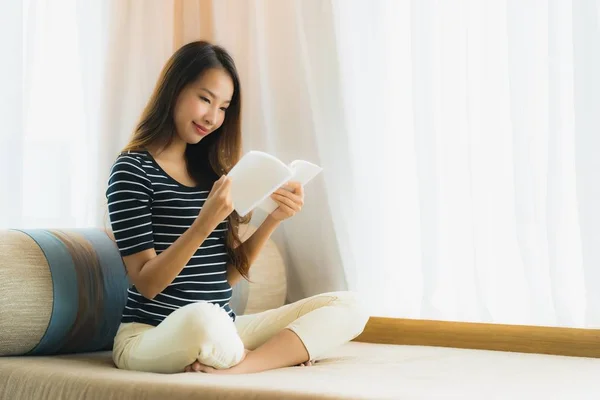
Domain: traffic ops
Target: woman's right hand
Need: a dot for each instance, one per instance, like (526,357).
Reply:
(218,205)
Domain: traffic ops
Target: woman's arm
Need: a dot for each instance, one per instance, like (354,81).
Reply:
(152,273)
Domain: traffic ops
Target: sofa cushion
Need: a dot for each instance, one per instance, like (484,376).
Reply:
(267,288)
(63,291)
(352,371)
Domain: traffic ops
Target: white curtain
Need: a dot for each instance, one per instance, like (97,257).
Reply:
(11,108)
(50,142)
(87,69)
(458,139)
(475,127)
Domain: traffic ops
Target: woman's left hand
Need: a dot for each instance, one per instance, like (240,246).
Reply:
(289,201)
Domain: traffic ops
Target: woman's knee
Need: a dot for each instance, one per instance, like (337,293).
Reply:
(205,320)
(350,304)
(210,332)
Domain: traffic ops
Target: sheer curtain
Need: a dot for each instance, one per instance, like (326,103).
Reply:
(11,108)
(50,149)
(475,128)
(88,68)
(458,139)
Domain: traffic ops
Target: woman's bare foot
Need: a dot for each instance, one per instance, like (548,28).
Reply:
(237,369)
(197,367)
(282,350)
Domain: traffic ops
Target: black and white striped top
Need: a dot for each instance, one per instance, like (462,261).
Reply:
(149,209)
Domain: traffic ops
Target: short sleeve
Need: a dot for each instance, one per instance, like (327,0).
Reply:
(129,196)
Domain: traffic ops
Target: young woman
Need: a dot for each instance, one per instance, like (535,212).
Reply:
(172,216)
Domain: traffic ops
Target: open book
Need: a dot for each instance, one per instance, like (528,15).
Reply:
(257,175)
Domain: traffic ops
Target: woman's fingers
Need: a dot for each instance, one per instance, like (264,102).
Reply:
(295,187)
(222,186)
(216,186)
(296,198)
(286,201)
(224,181)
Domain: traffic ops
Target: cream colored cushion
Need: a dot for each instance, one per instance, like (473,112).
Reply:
(267,288)
(25,293)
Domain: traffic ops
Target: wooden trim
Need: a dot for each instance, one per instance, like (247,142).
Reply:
(466,335)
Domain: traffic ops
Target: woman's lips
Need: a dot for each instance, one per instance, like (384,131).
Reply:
(201,130)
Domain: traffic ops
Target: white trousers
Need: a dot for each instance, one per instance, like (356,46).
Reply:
(322,322)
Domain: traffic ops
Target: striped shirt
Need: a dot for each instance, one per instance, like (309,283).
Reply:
(149,209)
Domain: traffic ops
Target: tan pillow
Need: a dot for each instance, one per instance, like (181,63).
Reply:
(62,291)
(268,286)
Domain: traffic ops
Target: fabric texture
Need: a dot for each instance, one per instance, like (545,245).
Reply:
(268,284)
(25,319)
(70,284)
(200,332)
(148,209)
(353,371)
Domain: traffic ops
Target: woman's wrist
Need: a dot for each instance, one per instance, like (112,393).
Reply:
(271,222)
(201,227)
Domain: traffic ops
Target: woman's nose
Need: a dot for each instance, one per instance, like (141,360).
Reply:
(210,116)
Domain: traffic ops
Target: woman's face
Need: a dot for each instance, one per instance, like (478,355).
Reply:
(201,106)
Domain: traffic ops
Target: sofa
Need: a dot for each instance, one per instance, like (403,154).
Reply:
(62,292)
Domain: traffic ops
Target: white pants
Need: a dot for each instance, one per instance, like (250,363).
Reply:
(321,322)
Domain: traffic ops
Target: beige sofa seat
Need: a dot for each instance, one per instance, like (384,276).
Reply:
(353,371)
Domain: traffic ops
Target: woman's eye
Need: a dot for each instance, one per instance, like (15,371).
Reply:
(205,99)
(223,109)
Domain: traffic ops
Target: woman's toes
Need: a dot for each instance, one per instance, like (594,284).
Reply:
(193,367)
(207,370)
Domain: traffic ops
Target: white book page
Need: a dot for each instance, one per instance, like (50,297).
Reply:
(254,178)
(303,172)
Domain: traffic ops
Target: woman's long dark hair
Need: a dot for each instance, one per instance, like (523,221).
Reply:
(215,154)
